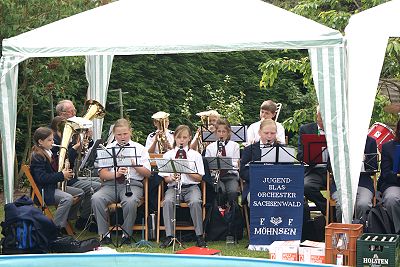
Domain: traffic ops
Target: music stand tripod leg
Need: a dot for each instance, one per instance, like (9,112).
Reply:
(174,239)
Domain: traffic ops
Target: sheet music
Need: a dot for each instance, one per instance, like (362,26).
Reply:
(286,155)
(238,134)
(225,163)
(125,157)
(175,166)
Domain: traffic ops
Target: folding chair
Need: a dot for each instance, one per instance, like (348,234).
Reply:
(36,193)
(181,205)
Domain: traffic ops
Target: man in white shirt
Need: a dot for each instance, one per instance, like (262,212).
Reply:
(267,111)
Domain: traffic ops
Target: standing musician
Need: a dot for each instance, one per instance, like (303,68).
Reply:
(190,191)
(208,120)
(65,110)
(267,111)
(162,138)
(224,147)
(389,181)
(252,152)
(134,175)
(46,178)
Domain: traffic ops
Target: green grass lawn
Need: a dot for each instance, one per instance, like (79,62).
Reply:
(238,250)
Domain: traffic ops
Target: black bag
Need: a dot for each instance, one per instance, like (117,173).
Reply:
(378,221)
(314,229)
(68,244)
(218,226)
(26,229)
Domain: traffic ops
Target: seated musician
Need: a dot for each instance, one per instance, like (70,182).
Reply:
(365,190)
(228,180)
(389,181)
(106,195)
(208,120)
(162,138)
(47,178)
(314,174)
(267,111)
(86,185)
(190,191)
(268,137)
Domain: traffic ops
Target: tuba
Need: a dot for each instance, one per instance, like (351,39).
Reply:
(95,110)
(161,118)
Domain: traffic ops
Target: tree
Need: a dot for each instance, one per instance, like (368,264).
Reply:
(334,14)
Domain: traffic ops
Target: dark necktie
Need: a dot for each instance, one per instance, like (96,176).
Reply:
(180,154)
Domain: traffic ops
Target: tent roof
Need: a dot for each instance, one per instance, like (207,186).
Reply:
(174,26)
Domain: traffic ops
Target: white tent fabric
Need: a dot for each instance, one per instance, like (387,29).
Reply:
(129,27)
(98,70)
(367,34)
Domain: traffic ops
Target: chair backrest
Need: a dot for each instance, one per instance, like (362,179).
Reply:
(35,190)
(278,110)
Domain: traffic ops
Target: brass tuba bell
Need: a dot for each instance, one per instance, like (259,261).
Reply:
(95,110)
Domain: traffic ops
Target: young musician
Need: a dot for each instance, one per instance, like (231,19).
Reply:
(223,147)
(315,174)
(389,181)
(106,195)
(268,137)
(162,134)
(267,111)
(47,178)
(209,118)
(190,192)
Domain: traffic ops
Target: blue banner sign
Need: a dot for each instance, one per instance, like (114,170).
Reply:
(276,203)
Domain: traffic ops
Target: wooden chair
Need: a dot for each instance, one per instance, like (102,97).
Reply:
(144,201)
(181,205)
(36,193)
(245,207)
(330,203)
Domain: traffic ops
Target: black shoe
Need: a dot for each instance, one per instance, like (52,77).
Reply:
(93,227)
(126,240)
(81,223)
(200,242)
(106,240)
(167,242)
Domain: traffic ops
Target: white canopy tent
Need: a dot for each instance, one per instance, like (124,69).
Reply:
(130,27)
(367,35)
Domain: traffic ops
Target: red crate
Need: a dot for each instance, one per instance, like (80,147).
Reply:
(340,243)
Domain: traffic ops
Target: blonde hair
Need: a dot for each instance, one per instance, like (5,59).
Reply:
(179,130)
(122,123)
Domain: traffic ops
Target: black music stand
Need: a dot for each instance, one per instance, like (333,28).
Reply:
(238,134)
(116,157)
(217,164)
(86,167)
(370,163)
(314,147)
(278,154)
(175,166)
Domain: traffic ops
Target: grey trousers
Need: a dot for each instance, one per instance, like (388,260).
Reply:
(89,187)
(65,208)
(106,195)
(229,185)
(363,203)
(391,201)
(190,195)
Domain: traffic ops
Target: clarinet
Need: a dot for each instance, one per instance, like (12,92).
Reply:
(178,181)
(128,191)
(220,146)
